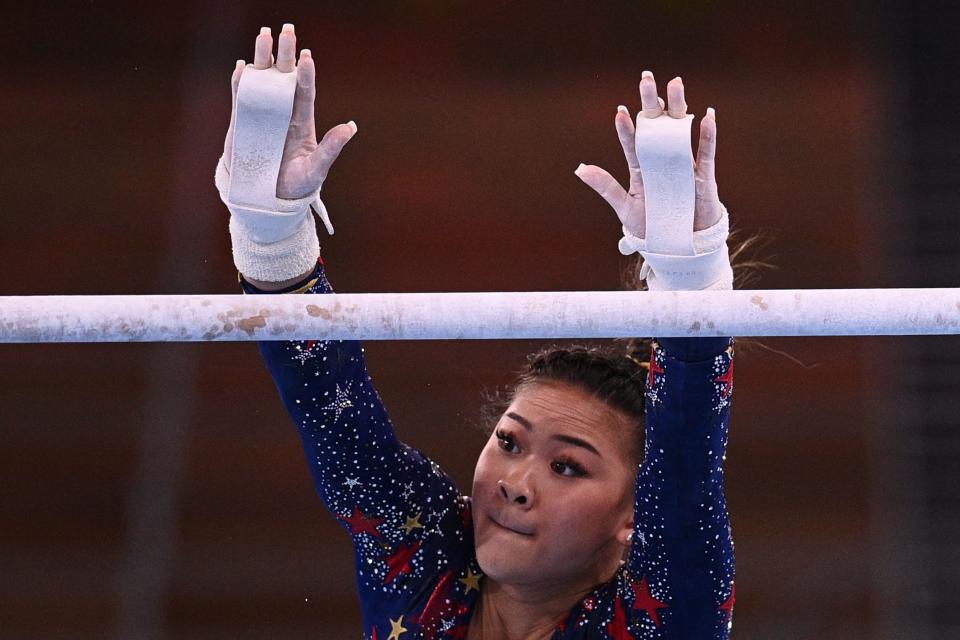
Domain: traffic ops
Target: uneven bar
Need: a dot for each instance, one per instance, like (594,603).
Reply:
(488,315)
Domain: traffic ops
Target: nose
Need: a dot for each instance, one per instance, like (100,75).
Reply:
(516,492)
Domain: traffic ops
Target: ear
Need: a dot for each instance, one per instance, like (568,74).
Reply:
(625,533)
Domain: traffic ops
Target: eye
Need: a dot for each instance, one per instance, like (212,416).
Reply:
(568,468)
(506,442)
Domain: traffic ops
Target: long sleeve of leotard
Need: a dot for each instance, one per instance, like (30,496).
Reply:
(403,513)
(681,561)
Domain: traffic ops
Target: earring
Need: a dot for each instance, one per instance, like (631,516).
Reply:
(630,537)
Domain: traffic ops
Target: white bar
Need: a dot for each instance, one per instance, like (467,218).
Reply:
(490,315)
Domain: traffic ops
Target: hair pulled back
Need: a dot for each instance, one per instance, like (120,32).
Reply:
(615,376)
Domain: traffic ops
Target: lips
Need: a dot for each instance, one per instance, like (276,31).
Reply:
(507,526)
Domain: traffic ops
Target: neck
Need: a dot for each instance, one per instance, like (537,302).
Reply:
(524,612)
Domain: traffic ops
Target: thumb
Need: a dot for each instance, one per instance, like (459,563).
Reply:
(604,184)
(329,148)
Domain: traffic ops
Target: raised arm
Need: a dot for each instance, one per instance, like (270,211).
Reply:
(389,497)
(682,541)
(681,560)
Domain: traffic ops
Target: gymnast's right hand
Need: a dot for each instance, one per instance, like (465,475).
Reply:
(305,162)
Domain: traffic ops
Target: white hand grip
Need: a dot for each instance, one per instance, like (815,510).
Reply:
(263,111)
(666,165)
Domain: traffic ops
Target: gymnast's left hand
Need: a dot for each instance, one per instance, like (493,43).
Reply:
(629,205)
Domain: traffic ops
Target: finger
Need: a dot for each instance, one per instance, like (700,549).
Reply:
(676,99)
(626,132)
(235,80)
(304,97)
(330,147)
(652,105)
(708,211)
(604,184)
(707,148)
(286,49)
(263,49)
(234,83)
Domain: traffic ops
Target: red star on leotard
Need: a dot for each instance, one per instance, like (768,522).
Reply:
(360,523)
(437,602)
(728,605)
(654,368)
(399,562)
(458,633)
(617,628)
(643,599)
(726,378)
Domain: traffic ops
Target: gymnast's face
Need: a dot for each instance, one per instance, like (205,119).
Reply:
(553,490)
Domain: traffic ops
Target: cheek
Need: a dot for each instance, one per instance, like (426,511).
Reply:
(586,517)
(484,473)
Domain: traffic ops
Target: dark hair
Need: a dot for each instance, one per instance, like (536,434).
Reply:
(613,375)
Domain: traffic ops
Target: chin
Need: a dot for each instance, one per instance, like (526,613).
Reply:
(507,565)
(500,566)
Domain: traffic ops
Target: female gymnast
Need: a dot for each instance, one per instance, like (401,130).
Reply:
(597,506)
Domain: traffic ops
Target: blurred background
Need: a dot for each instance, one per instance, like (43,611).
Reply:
(159,490)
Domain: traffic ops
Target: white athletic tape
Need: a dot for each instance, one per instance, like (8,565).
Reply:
(430,316)
(263,111)
(264,108)
(675,258)
(666,164)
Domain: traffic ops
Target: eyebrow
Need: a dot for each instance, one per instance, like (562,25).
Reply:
(561,437)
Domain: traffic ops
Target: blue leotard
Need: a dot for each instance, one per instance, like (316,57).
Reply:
(417,571)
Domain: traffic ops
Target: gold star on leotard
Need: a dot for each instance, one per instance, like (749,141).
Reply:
(472,581)
(413,523)
(396,628)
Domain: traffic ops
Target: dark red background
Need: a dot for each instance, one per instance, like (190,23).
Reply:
(472,117)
